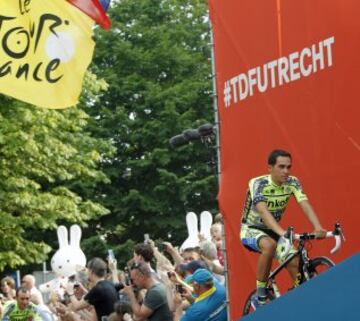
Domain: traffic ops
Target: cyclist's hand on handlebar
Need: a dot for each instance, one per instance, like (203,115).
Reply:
(320,233)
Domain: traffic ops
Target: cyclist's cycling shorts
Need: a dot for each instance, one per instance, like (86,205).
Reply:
(250,237)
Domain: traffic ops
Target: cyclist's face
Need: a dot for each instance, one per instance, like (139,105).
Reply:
(23,299)
(281,170)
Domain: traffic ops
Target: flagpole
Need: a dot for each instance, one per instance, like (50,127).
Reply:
(217,132)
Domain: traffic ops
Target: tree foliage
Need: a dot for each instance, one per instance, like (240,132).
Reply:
(156,62)
(48,168)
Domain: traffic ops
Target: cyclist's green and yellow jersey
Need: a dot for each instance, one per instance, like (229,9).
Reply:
(13,313)
(263,189)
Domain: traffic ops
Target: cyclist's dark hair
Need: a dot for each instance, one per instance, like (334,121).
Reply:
(97,266)
(275,154)
(22,290)
(145,250)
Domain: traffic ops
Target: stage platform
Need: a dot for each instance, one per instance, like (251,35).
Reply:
(332,296)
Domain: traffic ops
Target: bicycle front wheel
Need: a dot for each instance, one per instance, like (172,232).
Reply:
(319,265)
(248,307)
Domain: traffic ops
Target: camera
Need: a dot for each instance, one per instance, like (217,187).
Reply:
(161,247)
(128,280)
(119,286)
(179,288)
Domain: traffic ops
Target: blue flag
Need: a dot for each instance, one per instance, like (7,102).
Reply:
(105,4)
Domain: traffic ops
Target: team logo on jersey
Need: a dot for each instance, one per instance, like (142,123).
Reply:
(277,204)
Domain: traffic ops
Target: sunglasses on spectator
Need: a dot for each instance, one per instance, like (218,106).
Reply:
(135,266)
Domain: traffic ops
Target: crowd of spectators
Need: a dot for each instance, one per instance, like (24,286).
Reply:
(159,283)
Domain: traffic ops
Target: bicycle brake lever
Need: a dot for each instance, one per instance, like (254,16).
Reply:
(290,234)
(338,231)
(342,234)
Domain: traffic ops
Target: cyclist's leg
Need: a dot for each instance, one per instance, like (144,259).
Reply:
(292,266)
(259,241)
(267,247)
(293,269)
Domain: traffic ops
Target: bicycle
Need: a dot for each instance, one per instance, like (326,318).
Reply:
(308,268)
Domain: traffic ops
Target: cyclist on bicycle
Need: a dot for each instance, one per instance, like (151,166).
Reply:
(266,201)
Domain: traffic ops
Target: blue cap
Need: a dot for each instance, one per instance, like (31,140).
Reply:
(201,276)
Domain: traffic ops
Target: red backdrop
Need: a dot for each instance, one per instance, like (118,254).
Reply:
(315,116)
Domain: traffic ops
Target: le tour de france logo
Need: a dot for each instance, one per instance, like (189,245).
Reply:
(34,44)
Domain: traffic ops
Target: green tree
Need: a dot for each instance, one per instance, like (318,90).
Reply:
(48,173)
(156,62)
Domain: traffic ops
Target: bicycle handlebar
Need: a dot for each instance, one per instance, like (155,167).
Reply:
(336,233)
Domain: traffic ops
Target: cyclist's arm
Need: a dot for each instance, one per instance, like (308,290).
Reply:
(268,219)
(312,217)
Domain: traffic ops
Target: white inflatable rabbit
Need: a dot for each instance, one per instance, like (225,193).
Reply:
(68,259)
(206,220)
(193,229)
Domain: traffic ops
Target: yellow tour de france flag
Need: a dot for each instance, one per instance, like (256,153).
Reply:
(45,49)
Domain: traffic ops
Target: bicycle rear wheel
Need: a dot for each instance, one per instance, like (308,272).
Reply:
(319,265)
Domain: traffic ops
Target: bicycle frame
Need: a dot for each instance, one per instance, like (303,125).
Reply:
(306,265)
(303,264)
